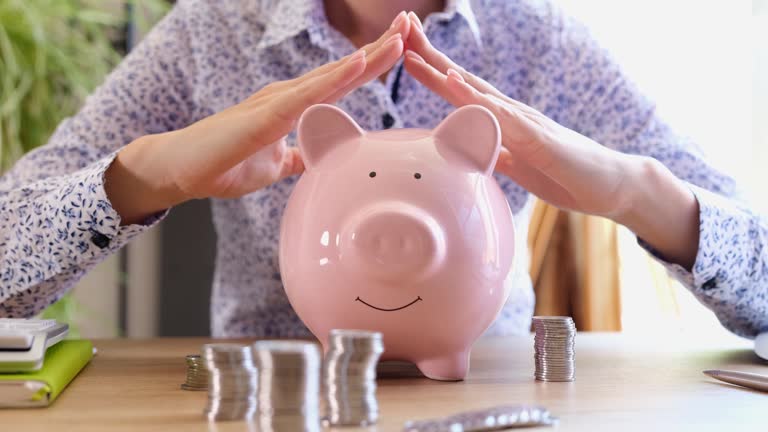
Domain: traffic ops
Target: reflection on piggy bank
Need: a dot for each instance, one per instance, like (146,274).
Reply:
(401,231)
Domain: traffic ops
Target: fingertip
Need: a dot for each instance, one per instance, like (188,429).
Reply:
(505,156)
(358,64)
(298,164)
(279,151)
(408,62)
(456,83)
(453,73)
(400,44)
(413,63)
(412,55)
(394,37)
(424,72)
(357,54)
(406,31)
(416,29)
(398,20)
(294,164)
(401,25)
(345,74)
(460,90)
(395,42)
(504,163)
(415,20)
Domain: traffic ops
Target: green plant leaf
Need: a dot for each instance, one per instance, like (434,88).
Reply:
(53,53)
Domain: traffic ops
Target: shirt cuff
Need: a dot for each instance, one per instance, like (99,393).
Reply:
(714,257)
(85,224)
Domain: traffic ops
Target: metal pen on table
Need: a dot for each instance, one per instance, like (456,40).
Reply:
(744,379)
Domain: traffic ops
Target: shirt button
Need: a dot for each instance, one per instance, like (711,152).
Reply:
(99,239)
(709,284)
(387,120)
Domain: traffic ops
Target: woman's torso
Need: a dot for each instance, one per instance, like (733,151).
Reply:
(245,47)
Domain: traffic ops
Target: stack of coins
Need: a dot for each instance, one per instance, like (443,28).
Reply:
(349,381)
(197,374)
(554,348)
(289,390)
(232,381)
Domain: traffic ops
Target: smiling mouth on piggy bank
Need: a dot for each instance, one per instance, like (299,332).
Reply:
(418,299)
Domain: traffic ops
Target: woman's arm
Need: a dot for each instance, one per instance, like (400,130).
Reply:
(641,174)
(71,203)
(56,220)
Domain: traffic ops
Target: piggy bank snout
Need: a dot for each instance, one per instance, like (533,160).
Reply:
(394,242)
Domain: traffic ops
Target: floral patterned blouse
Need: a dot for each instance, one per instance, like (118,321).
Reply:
(56,221)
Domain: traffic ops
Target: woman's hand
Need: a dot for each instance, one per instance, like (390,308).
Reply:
(242,148)
(564,167)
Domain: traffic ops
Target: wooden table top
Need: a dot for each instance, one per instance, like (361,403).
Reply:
(621,384)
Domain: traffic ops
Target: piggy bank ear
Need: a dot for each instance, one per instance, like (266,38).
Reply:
(321,129)
(470,136)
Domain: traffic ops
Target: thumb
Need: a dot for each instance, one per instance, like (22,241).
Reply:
(534,180)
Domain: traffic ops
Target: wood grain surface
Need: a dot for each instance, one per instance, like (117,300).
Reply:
(622,383)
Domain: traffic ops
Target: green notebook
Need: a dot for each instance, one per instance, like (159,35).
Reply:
(63,362)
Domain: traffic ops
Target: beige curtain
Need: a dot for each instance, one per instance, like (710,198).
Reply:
(575,267)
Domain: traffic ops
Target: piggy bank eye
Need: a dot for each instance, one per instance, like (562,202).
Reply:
(372,174)
(417,176)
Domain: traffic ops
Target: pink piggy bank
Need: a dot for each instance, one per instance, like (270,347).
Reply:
(401,231)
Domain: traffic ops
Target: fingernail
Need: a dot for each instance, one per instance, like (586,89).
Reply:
(398,19)
(455,74)
(415,19)
(357,55)
(413,56)
(506,159)
(395,36)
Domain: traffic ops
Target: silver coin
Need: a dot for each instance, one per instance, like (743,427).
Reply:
(351,335)
(232,381)
(349,377)
(289,423)
(289,380)
(495,418)
(554,361)
(554,357)
(568,379)
(553,368)
(557,372)
(554,348)
(539,318)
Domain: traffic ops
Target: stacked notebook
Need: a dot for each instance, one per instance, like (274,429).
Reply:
(63,362)
(36,363)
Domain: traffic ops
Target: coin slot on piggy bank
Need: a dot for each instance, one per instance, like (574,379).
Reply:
(401,231)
